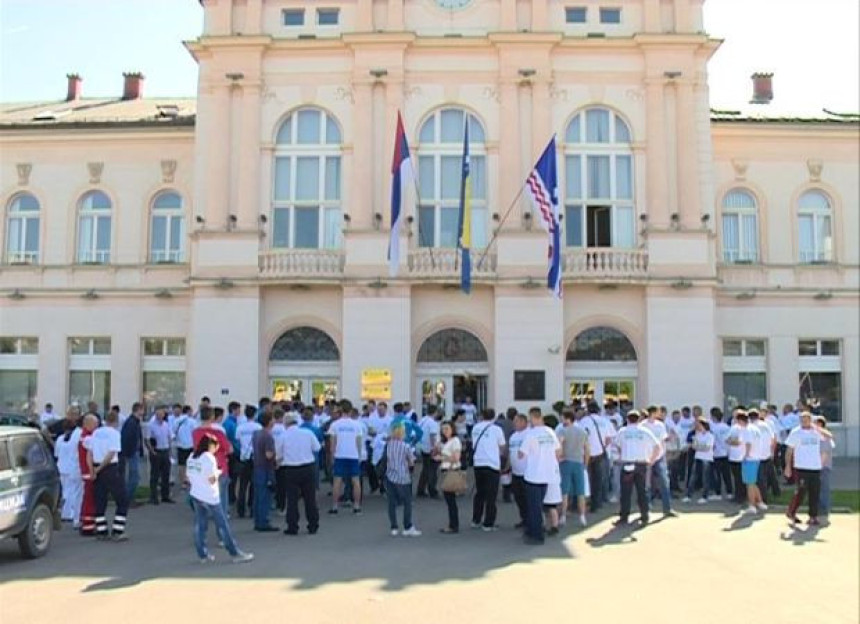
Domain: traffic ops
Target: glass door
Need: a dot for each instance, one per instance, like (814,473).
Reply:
(436,390)
(309,391)
(585,391)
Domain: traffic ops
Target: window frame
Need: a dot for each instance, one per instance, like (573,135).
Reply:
(604,12)
(22,255)
(171,215)
(320,11)
(292,11)
(573,10)
(94,255)
(818,216)
(742,255)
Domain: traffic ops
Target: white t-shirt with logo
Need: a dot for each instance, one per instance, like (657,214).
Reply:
(518,465)
(488,440)
(807,448)
(539,448)
(767,435)
(104,440)
(198,471)
(721,437)
(752,436)
(685,425)
(636,444)
(245,435)
(738,451)
(703,445)
(346,432)
(660,432)
(598,428)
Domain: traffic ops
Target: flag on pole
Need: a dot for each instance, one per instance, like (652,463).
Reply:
(465,226)
(401,169)
(542,188)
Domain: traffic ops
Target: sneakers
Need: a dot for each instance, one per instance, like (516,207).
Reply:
(813,522)
(119,537)
(243,557)
(702,501)
(552,531)
(562,521)
(792,518)
(613,499)
(489,529)
(762,507)
(394,532)
(475,525)
(207,559)
(715,497)
(582,520)
(356,511)
(332,512)
(411,532)
(750,511)
(686,499)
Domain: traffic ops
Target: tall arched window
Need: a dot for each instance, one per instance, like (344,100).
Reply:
(440,156)
(304,344)
(601,344)
(599,205)
(22,230)
(306,205)
(815,225)
(740,227)
(167,229)
(94,228)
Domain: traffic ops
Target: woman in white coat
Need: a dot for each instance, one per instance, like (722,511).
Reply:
(66,452)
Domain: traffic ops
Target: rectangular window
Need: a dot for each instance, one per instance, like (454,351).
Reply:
(163,388)
(744,372)
(328,17)
(529,385)
(19,346)
(610,15)
(822,391)
(293,17)
(814,348)
(163,371)
(746,389)
(18,390)
(86,386)
(575,15)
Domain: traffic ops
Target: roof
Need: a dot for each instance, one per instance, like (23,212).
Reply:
(775,113)
(99,112)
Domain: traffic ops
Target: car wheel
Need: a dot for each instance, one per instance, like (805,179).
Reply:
(36,538)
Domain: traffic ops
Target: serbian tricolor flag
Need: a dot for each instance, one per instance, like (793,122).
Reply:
(401,170)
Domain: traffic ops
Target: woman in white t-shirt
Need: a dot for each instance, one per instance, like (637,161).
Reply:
(202,474)
(703,449)
(449,450)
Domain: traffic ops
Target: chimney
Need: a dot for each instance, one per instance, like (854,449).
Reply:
(73,92)
(133,86)
(762,88)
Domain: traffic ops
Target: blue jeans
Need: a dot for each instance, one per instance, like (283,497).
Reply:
(223,484)
(824,497)
(262,497)
(535,493)
(660,474)
(202,513)
(399,494)
(132,477)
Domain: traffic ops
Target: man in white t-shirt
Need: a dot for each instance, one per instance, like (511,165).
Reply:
(659,471)
(803,461)
(721,470)
(278,431)
(470,409)
(347,438)
(750,465)
(737,451)
(600,435)
(429,426)
(787,422)
(245,435)
(103,459)
(48,416)
(767,477)
(518,467)
(540,449)
(638,449)
(487,449)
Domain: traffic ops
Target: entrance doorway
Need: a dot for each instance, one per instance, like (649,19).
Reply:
(446,392)
(304,365)
(305,390)
(602,366)
(601,391)
(452,364)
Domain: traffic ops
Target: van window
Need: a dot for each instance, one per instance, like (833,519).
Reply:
(28,452)
(5,464)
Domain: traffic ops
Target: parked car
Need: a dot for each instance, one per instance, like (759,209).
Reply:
(29,490)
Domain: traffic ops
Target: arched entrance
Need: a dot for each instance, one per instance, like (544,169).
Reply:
(452,364)
(304,365)
(601,366)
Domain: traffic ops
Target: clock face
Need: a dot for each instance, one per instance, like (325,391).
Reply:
(453,5)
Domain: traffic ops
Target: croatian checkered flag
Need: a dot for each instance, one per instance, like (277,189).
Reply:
(542,189)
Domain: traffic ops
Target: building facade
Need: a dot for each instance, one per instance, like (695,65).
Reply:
(235,245)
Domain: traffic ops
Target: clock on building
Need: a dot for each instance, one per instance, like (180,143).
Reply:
(453,5)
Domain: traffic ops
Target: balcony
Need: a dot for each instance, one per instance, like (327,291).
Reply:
(301,263)
(444,263)
(604,263)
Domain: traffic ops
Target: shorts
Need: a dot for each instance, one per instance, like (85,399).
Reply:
(552,496)
(749,471)
(182,456)
(572,478)
(346,468)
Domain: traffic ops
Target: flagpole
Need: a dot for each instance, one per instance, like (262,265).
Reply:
(498,228)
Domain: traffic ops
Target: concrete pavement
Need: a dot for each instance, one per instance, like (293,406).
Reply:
(691,568)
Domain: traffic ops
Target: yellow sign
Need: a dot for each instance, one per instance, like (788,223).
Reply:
(376,384)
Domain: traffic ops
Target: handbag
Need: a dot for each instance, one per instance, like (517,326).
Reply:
(454,482)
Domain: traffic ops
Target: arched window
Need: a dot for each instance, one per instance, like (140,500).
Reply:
(306,205)
(440,167)
(599,205)
(167,229)
(601,344)
(815,225)
(22,230)
(740,227)
(452,345)
(304,344)
(94,228)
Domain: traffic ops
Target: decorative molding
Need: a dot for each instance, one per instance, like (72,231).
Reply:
(95,169)
(492,93)
(597,92)
(815,166)
(558,94)
(740,167)
(413,92)
(637,95)
(344,95)
(168,171)
(24,170)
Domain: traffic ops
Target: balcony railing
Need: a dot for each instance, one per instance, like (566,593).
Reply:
(444,263)
(93,256)
(307,263)
(605,262)
(22,257)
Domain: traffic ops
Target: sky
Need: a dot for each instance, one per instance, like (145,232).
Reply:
(810,45)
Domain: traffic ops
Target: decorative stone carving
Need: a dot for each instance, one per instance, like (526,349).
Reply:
(492,93)
(95,169)
(24,170)
(558,94)
(344,95)
(597,92)
(815,166)
(168,171)
(413,92)
(637,95)
(740,167)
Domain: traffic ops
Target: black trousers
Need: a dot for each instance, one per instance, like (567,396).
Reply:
(453,511)
(233,470)
(110,483)
(630,480)
(518,489)
(596,470)
(768,480)
(535,493)
(738,487)
(808,482)
(281,488)
(486,492)
(245,495)
(300,482)
(722,475)
(370,472)
(159,471)
(429,475)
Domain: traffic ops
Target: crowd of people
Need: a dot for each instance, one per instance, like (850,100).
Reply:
(258,459)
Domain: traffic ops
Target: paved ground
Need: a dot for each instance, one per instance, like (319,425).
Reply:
(693,568)
(846,474)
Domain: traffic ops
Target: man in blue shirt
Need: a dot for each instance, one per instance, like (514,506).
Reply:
(413,431)
(230,423)
(131,450)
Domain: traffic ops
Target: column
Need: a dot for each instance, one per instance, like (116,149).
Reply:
(541,112)
(539,16)
(216,171)
(509,16)
(395,16)
(249,158)
(361,192)
(653,17)
(364,15)
(687,155)
(510,146)
(658,197)
(253,17)
(682,16)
